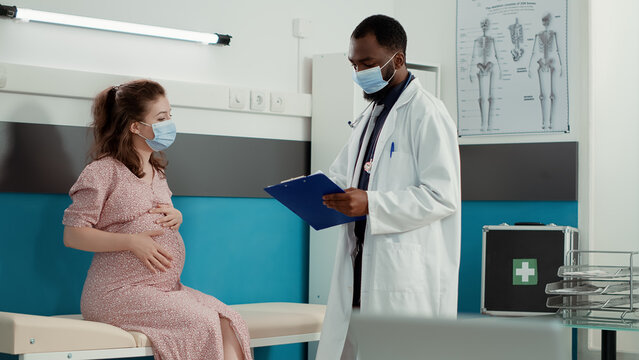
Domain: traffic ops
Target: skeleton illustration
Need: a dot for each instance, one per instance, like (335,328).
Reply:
(517,37)
(546,54)
(482,64)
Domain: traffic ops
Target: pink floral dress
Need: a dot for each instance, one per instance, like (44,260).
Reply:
(182,323)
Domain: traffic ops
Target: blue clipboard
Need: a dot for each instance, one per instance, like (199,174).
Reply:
(303,196)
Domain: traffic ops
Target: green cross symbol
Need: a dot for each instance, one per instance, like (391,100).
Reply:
(525,272)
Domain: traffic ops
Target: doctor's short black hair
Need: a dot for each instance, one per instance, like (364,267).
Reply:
(388,32)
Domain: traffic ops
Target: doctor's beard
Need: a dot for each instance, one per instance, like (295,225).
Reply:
(379,96)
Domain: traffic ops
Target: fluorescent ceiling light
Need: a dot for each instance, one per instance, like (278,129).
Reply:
(110,25)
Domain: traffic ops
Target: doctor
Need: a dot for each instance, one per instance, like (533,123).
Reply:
(401,168)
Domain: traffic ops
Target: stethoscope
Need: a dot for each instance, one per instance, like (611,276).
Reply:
(352,124)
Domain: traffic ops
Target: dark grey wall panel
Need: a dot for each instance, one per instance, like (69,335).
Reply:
(39,158)
(205,165)
(530,171)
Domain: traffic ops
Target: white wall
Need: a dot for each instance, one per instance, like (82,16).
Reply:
(263,52)
(615,124)
(614,166)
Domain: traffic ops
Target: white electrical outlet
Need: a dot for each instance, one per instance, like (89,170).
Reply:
(258,100)
(278,102)
(238,98)
(3,76)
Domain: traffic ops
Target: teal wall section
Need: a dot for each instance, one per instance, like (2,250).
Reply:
(476,214)
(240,250)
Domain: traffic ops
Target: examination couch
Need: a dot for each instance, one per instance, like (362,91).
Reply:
(69,337)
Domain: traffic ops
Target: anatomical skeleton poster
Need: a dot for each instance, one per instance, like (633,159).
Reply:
(512,73)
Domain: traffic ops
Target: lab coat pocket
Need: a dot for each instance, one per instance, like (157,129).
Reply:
(399,266)
(400,163)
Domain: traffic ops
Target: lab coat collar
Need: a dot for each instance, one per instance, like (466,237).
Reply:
(408,93)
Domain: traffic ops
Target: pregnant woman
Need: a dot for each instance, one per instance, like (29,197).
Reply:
(122,211)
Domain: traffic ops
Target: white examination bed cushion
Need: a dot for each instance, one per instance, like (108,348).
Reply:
(24,334)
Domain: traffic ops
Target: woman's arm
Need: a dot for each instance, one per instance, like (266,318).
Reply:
(94,240)
(142,245)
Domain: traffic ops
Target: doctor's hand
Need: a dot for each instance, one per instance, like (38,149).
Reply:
(354,202)
(172,218)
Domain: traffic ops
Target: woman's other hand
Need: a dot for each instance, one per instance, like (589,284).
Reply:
(152,255)
(172,217)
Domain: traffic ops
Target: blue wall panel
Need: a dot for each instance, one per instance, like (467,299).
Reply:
(245,250)
(476,214)
(240,250)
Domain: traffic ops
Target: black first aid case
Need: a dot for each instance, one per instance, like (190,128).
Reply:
(517,263)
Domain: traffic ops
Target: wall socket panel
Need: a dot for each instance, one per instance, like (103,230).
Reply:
(238,98)
(258,100)
(302,28)
(278,102)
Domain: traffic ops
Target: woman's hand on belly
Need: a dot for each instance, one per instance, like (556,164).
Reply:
(152,255)
(172,217)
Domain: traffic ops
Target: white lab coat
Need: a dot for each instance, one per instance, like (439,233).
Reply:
(410,260)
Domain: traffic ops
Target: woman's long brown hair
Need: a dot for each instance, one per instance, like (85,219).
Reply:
(114,110)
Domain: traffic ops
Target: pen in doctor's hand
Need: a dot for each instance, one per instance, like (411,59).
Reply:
(392,149)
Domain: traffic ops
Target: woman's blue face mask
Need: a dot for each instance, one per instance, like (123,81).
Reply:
(164,134)
(371,80)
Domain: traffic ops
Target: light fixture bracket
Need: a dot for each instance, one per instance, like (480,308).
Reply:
(223,39)
(8,11)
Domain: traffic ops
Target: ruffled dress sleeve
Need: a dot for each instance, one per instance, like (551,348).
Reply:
(89,193)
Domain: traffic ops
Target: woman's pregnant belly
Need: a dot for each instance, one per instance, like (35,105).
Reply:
(110,271)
